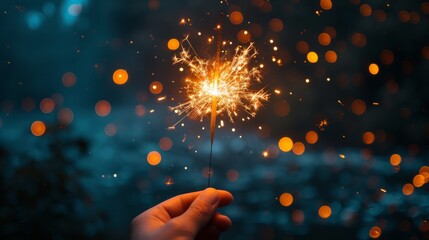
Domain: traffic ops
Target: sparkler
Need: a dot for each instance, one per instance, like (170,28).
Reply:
(219,85)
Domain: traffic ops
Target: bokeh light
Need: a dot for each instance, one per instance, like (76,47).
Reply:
(102,108)
(244,36)
(276,25)
(418,180)
(173,44)
(373,69)
(395,159)
(312,57)
(47,105)
(302,47)
(165,143)
(156,87)
(69,79)
(368,137)
(365,10)
(285,144)
(375,232)
(286,199)
(408,189)
(110,129)
(38,128)
(326,4)
(324,39)
(311,137)
(358,107)
(153,158)
(236,17)
(120,76)
(325,211)
(331,56)
(65,116)
(232,175)
(298,148)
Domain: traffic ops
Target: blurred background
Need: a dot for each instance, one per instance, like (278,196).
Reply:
(340,150)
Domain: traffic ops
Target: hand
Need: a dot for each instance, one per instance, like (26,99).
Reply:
(185,217)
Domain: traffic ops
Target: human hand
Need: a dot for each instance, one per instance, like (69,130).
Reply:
(185,217)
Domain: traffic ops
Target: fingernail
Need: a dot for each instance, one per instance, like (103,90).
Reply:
(210,196)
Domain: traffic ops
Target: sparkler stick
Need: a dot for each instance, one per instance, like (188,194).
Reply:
(219,86)
(214,101)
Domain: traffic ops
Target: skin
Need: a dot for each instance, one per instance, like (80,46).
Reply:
(184,217)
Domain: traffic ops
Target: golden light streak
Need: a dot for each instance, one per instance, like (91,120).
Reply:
(220,87)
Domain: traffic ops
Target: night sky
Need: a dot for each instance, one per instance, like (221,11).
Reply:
(338,150)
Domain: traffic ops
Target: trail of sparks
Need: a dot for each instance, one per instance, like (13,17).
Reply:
(231,88)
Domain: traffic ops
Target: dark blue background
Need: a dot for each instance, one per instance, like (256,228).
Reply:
(75,182)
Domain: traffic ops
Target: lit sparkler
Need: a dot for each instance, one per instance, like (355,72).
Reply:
(219,87)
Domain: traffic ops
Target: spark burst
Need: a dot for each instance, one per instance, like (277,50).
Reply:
(227,82)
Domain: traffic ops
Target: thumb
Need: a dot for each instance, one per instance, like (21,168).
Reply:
(201,211)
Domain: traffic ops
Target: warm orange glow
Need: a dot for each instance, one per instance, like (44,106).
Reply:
(404,16)
(120,76)
(38,128)
(298,148)
(244,36)
(285,144)
(395,159)
(365,10)
(156,87)
(173,44)
(407,189)
(425,172)
(418,180)
(236,18)
(276,25)
(165,143)
(153,158)
(232,175)
(359,39)
(312,57)
(387,57)
(326,4)
(47,105)
(311,137)
(368,137)
(286,199)
(65,116)
(69,79)
(358,107)
(373,69)
(331,56)
(325,211)
(375,232)
(324,39)
(102,108)
(302,47)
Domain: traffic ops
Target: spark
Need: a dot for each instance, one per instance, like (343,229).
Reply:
(228,82)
